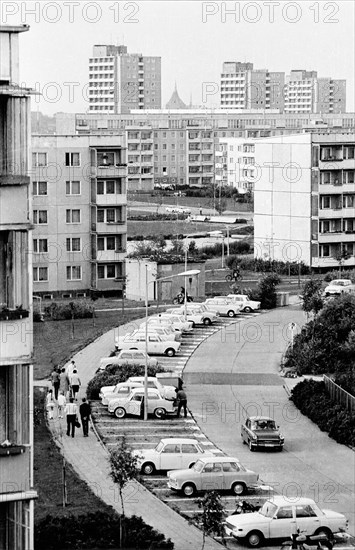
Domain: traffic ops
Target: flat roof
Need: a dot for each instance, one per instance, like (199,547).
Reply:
(14,28)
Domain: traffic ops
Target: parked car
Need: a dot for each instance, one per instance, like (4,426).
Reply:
(213,473)
(222,306)
(158,405)
(164,332)
(172,453)
(123,389)
(262,432)
(155,344)
(165,322)
(197,314)
(246,305)
(339,286)
(176,321)
(275,519)
(166,391)
(177,210)
(133,357)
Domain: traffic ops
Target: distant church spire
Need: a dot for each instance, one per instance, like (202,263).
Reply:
(175,102)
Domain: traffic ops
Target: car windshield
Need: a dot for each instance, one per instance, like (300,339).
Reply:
(159,447)
(268,510)
(264,425)
(198,466)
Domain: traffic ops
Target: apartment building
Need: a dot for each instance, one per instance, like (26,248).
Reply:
(16,345)
(120,81)
(79,214)
(235,163)
(185,142)
(304,199)
(305,92)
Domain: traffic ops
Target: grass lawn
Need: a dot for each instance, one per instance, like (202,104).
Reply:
(53,342)
(194,202)
(178,227)
(48,472)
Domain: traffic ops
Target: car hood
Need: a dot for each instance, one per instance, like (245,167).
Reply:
(107,389)
(330,514)
(180,474)
(243,520)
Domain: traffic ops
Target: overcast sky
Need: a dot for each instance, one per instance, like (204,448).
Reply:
(193,39)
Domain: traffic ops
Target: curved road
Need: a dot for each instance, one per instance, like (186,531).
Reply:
(236,370)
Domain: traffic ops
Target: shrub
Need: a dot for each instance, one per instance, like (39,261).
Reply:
(99,529)
(345,274)
(80,309)
(267,291)
(114,375)
(313,400)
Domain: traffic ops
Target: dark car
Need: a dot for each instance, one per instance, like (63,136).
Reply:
(262,432)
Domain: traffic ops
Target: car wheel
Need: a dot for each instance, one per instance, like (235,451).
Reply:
(160,413)
(238,488)
(191,465)
(243,440)
(231,313)
(324,531)
(189,489)
(170,352)
(251,446)
(248,309)
(255,539)
(148,468)
(207,321)
(279,448)
(120,412)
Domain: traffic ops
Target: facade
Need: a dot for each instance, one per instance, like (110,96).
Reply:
(304,200)
(306,93)
(186,143)
(16,346)
(120,81)
(79,214)
(243,87)
(235,163)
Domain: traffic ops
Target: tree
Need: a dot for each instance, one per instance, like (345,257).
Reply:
(212,514)
(221,205)
(192,250)
(267,290)
(341,256)
(312,296)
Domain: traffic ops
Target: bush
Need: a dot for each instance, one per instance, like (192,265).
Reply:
(99,529)
(114,375)
(313,400)
(345,274)
(58,312)
(267,291)
(270,266)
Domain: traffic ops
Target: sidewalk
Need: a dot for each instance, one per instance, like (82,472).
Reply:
(89,458)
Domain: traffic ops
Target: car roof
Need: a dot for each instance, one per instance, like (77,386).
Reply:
(179,440)
(220,459)
(260,418)
(137,378)
(284,501)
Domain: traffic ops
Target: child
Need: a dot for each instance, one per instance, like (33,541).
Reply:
(61,404)
(50,404)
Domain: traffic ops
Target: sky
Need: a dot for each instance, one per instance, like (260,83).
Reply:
(193,39)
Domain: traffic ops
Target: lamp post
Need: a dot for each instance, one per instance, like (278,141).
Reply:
(186,273)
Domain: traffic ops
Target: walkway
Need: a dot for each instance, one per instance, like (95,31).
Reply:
(89,458)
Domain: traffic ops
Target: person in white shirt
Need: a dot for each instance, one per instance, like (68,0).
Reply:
(61,404)
(71,411)
(74,383)
(50,404)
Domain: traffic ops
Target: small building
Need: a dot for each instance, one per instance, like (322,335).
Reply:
(144,279)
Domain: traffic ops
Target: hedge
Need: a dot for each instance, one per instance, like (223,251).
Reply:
(97,530)
(312,399)
(115,374)
(80,309)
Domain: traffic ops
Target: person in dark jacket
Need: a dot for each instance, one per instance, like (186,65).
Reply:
(182,402)
(55,378)
(85,413)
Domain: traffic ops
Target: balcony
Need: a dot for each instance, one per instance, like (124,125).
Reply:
(330,188)
(111,200)
(10,179)
(111,255)
(15,337)
(109,171)
(331,213)
(111,227)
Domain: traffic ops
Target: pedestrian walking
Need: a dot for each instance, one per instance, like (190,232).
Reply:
(69,368)
(61,404)
(71,411)
(63,382)
(182,401)
(50,404)
(75,383)
(85,413)
(55,382)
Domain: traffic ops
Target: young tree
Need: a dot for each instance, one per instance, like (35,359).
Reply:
(267,290)
(312,296)
(124,467)
(212,515)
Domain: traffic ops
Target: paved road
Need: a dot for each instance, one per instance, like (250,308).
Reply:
(235,371)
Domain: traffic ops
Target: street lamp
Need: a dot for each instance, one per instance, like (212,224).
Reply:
(186,273)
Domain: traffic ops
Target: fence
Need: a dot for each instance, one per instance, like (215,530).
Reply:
(339,395)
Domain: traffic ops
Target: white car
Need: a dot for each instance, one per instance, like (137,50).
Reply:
(173,453)
(246,305)
(120,390)
(222,307)
(169,392)
(132,404)
(163,332)
(127,358)
(177,321)
(155,345)
(177,210)
(279,517)
(339,286)
(166,322)
(197,314)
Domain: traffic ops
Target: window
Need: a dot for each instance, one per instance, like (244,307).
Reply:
(40,217)
(40,274)
(72,188)
(325,202)
(39,159)
(100,271)
(110,215)
(73,216)
(72,159)
(189,448)
(39,188)
(111,271)
(324,250)
(348,201)
(305,511)
(40,245)
(100,216)
(110,187)
(105,159)
(14,404)
(284,513)
(73,244)
(110,243)
(171,448)
(73,273)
